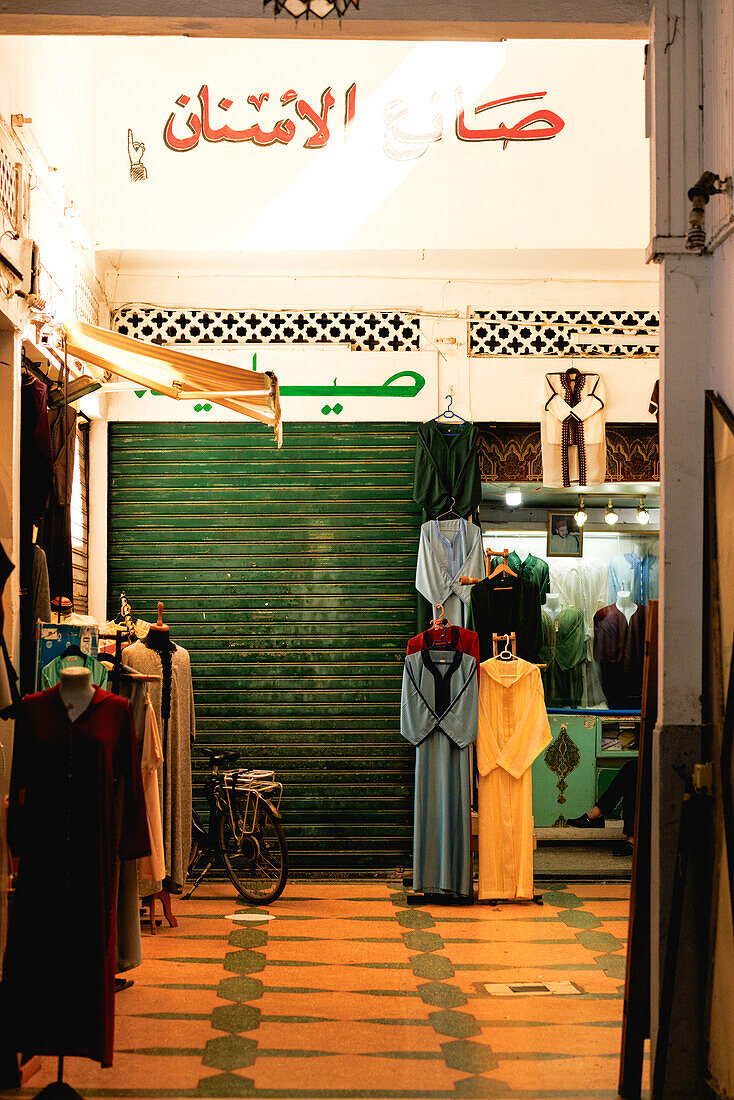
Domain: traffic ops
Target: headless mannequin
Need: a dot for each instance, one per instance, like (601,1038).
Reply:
(553,605)
(522,550)
(159,636)
(640,550)
(626,604)
(159,639)
(76,691)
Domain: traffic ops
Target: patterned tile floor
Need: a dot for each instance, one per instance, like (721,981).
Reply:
(350,993)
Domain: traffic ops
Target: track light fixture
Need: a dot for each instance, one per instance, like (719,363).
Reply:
(610,516)
(513,498)
(581,514)
(643,516)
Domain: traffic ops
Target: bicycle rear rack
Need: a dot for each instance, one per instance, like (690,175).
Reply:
(253,781)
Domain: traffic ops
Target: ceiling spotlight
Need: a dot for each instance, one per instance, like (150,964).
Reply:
(610,516)
(581,515)
(513,498)
(643,516)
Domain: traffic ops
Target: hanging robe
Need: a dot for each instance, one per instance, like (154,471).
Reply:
(153,866)
(449,549)
(581,583)
(67,831)
(502,604)
(446,467)
(452,637)
(513,731)
(563,652)
(638,576)
(439,716)
(619,647)
(175,791)
(573,431)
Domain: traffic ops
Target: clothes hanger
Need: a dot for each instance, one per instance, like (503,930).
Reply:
(72,651)
(502,568)
(440,623)
(448,412)
(506,654)
(451,509)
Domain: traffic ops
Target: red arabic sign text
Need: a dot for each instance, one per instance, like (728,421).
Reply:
(183,133)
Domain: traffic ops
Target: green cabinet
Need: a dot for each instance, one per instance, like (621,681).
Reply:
(586,753)
(563,775)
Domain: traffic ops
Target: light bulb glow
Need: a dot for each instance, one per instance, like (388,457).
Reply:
(513,498)
(643,516)
(581,515)
(610,516)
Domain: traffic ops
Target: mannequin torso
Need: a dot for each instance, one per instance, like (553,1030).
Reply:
(553,605)
(76,691)
(626,604)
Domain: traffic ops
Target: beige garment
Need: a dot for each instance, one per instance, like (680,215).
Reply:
(513,730)
(591,412)
(154,865)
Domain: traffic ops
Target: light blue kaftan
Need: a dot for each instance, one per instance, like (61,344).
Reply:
(638,576)
(440,716)
(449,549)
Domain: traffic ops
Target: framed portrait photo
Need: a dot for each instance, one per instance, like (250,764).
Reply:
(565,537)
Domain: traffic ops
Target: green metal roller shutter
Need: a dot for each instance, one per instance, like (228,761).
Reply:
(289,577)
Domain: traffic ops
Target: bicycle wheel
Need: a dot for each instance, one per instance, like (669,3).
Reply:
(255,855)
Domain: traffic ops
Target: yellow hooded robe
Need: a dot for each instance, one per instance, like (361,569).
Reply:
(513,730)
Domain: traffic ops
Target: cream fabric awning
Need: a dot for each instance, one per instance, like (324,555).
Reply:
(178,374)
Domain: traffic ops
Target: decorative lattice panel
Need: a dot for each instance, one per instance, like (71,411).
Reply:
(632,333)
(8,189)
(86,302)
(363,331)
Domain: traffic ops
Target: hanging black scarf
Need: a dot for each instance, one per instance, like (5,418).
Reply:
(573,428)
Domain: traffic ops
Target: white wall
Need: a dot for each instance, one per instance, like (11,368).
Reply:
(564,192)
(444,289)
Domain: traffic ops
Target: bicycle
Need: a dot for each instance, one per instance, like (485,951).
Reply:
(244,829)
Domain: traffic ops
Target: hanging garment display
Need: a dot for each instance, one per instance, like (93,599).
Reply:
(36,477)
(573,430)
(532,568)
(62,824)
(450,637)
(634,574)
(439,716)
(563,652)
(51,673)
(9,695)
(654,407)
(513,731)
(446,470)
(449,549)
(54,532)
(582,583)
(619,647)
(502,604)
(152,867)
(173,704)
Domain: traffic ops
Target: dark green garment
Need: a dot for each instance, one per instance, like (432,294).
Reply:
(447,466)
(535,569)
(563,651)
(504,604)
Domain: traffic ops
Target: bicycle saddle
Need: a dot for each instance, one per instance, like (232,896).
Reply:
(222,756)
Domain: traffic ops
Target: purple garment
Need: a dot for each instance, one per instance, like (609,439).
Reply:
(619,647)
